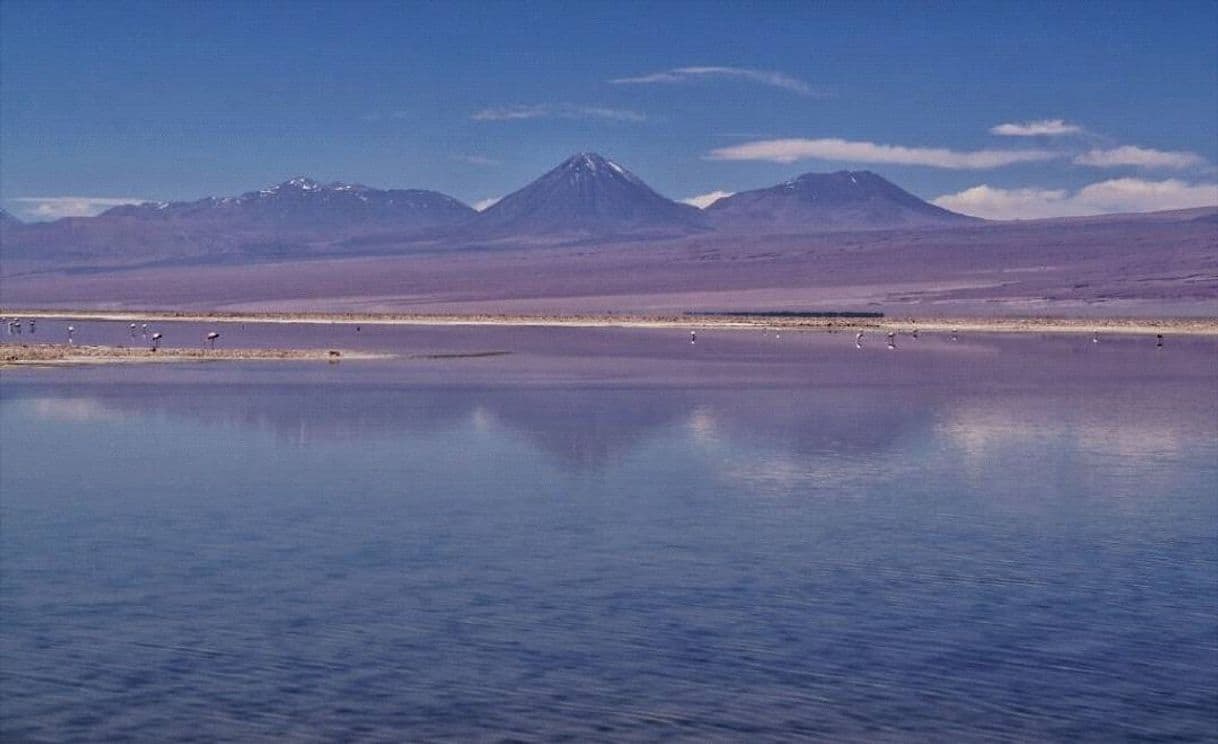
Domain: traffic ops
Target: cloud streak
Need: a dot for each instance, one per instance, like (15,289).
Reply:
(793,150)
(1105,197)
(1141,157)
(702,201)
(484,204)
(681,75)
(522,112)
(1038,128)
(55,207)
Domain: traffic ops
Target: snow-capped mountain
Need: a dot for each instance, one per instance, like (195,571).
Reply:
(587,194)
(814,202)
(303,202)
(297,218)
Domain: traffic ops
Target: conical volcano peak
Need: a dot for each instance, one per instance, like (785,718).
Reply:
(585,161)
(590,194)
(594,164)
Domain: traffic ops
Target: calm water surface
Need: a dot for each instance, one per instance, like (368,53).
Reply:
(610,535)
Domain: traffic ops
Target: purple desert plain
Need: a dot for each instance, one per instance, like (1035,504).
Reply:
(590,235)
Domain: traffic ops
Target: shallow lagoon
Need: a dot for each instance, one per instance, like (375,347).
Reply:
(616,535)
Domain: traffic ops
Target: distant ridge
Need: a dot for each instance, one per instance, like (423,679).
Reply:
(297,218)
(303,202)
(818,202)
(591,195)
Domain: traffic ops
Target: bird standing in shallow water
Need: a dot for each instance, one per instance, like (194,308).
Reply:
(211,338)
(693,337)
(858,340)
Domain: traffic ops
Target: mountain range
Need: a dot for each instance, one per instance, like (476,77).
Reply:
(303,202)
(585,198)
(590,236)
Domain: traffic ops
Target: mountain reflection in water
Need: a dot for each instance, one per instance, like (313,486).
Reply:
(849,548)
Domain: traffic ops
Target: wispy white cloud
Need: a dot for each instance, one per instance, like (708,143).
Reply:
(485,204)
(1038,128)
(692,74)
(480,160)
(54,207)
(792,150)
(556,111)
(702,201)
(1137,195)
(1009,204)
(1141,157)
(1105,197)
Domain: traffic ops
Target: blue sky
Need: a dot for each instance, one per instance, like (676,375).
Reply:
(1109,106)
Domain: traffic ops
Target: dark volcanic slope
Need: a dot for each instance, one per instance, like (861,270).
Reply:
(813,202)
(587,194)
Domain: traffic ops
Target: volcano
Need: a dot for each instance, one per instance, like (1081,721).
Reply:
(821,202)
(588,195)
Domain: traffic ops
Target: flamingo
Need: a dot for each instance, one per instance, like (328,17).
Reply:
(858,340)
(1159,340)
(892,340)
(693,337)
(156,339)
(211,338)
(71,330)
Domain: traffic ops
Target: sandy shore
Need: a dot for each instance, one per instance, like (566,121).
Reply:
(1189,326)
(62,354)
